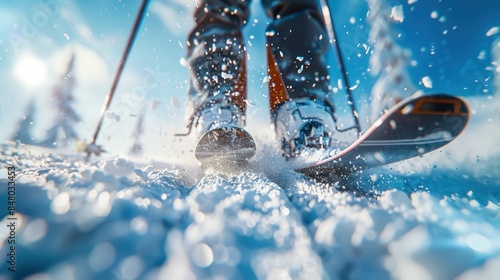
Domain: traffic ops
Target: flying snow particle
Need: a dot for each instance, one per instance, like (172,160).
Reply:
(434,14)
(103,205)
(352,20)
(183,61)
(481,55)
(407,109)
(226,75)
(250,103)
(411,1)
(339,84)
(393,124)
(380,157)
(492,31)
(300,69)
(202,255)
(427,82)
(397,13)
(139,225)
(61,204)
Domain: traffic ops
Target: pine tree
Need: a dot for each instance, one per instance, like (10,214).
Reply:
(496,74)
(137,147)
(63,130)
(25,126)
(389,61)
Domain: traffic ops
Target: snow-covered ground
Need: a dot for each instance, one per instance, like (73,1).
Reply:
(114,218)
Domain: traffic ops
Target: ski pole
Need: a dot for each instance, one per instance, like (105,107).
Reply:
(109,97)
(328,17)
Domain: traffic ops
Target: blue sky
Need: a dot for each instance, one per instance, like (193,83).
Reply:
(449,41)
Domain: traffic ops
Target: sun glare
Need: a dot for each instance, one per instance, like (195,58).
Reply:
(30,70)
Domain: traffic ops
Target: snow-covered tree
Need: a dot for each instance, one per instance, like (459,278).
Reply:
(389,61)
(496,72)
(137,147)
(25,126)
(63,131)
(496,65)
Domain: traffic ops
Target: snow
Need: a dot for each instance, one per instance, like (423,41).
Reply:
(427,82)
(397,13)
(118,218)
(226,75)
(492,31)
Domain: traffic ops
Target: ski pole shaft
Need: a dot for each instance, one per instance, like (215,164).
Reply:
(109,97)
(328,17)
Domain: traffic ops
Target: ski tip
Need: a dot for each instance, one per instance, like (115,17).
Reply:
(225,146)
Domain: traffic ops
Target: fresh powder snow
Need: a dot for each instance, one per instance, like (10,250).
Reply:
(118,218)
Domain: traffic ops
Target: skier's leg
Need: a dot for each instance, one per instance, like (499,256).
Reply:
(299,81)
(216,61)
(298,40)
(216,51)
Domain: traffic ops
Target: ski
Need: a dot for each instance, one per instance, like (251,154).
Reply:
(413,127)
(225,145)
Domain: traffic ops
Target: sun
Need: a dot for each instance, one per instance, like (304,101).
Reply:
(30,70)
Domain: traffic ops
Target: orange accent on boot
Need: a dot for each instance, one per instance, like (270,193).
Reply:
(239,96)
(277,90)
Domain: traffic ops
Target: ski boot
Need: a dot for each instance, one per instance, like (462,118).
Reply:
(217,98)
(301,124)
(221,136)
